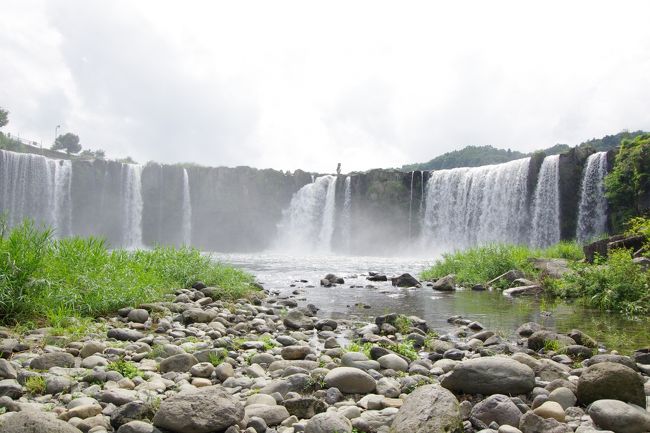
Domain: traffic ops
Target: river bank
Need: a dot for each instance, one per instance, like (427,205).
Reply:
(277,364)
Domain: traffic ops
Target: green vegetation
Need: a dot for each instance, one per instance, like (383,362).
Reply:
(216,358)
(4,117)
(125,368)
(628,183)
(35,385)
(42,277)
(617,284)
(474,156)
(403,324)
(68,142)
(481,264)
(405,348)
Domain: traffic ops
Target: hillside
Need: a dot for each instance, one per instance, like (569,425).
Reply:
(474,156)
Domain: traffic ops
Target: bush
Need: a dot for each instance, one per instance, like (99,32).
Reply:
(617,285)
(44,277)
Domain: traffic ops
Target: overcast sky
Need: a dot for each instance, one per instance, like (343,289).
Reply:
(308,84)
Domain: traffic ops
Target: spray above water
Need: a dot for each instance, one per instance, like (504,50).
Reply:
(592,212)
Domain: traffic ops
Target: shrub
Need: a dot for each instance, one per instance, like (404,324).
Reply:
(35,385)
(125,368)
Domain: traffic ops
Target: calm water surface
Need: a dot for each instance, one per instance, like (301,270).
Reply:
(279,273)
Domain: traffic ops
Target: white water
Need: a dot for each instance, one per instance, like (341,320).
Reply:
(186,224)
(346,215)
(546,204)
(308,223)
(411,206)
(36,187)
(469,206)
(592,212)
(132,205)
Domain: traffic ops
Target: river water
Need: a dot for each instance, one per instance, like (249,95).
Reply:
(285,274)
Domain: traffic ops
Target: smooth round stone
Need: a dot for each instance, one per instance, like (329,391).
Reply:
(564,396)
(138,315)
(94,361)
(295,352)
(393,362)
(203,369)
(328,422)
(359,360)
(550,409)
(619,416)
(350,380)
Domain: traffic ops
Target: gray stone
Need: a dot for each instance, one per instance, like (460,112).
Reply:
(359,360)
(138,315)
(328,422)
(203,369)
(350,380)
(54,359)
(538,339)
(205,410)
(531,423)
(445,284)
(430,409)
(11,388)
(182,363)
(295,352)
(57,384)
(35,422)
(528,329)
(257,424)
(93,361)
(272,415)
(297,320)
(137,427)
(124,334)
(132,411)
(610,357)
(564,396)
(304,407)
(197,315)
(608,380)
(393,362)
(490,375)
(497,408)
(377,419)
(619,416)
(388,387)
(7,371)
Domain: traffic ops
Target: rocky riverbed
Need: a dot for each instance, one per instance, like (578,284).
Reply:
(196,365)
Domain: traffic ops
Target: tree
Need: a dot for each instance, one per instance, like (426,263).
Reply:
(68,142)
(4,117)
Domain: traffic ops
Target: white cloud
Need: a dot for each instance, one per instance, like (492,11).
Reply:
(296,84)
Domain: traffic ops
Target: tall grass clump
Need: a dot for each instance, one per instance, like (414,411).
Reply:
(480,264)
(617,284)
(43,278)
(570,250)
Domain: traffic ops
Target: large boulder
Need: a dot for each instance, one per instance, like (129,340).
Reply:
(609,380)
(497,408)
(445,284)
(430,409)
(405,280)
(542,338)
(204,410)
(350,380)
(35,422)
(620,417)
(490,375)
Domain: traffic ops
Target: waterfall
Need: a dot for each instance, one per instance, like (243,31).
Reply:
(546,204)
(592,212)
(187,210)
(38,188)
(469,206)
(411,205)
(131,205)
(346,214)
(308,222)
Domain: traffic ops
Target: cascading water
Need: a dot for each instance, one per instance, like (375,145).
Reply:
(469,206)
(592,212)
(308,223)
(132,205)
(546,204)
(187,210)
(346,215)
(38,188)
(411,206)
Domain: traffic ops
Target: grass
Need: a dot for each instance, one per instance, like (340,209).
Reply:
(405,348)
(484,263)
(43,279)
(35,385)
(125,368)
(403,324)
(217,358)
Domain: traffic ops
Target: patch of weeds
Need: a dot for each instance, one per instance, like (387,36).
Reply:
(428,339)
(216,358)
(269,343)
(405,348)
(125,368)
(552,345)
(357,346)
(35,385)
(156,352)
(403,324)
(192,339)
(237,343)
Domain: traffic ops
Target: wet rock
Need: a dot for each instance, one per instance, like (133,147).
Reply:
(378,277)
(619,416)
(509,277)
(326,324)
(429,408)
(331,279)
(608,380)
(205,410)
(582,338)
(350,380)
(497,408)
(528,329)
(445,284)
(531,290)
(297,320)
(54,359)
(405,280)
(490,375)
(36,422)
